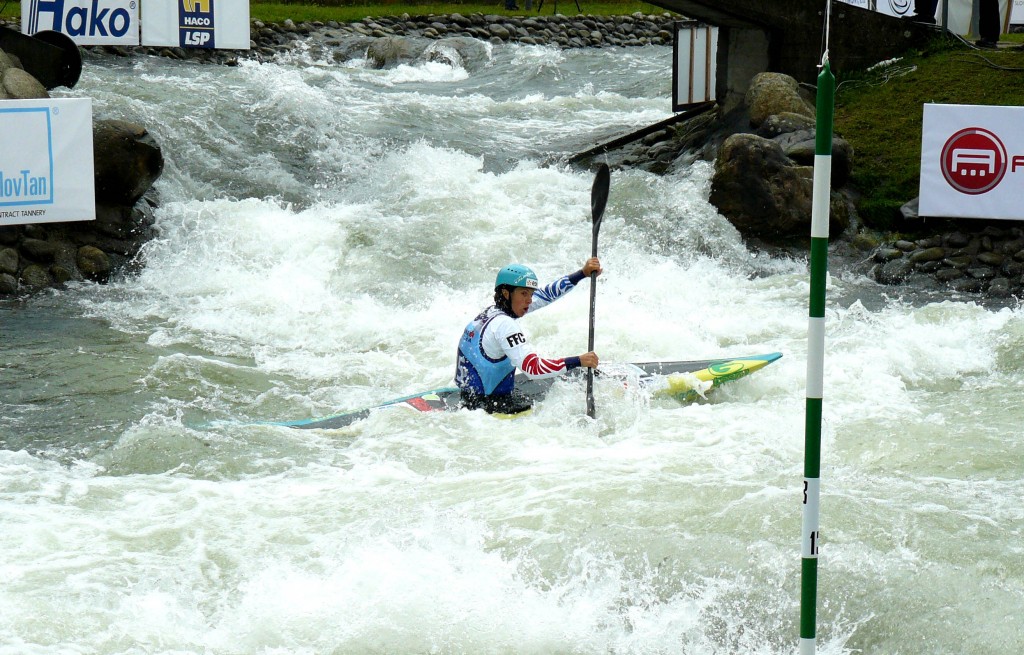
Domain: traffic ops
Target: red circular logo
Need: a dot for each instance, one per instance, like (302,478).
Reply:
(973,160)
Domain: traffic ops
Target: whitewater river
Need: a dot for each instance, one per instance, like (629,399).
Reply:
(326,231)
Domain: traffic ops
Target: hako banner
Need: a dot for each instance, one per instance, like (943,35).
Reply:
(972,162)
(220,24)
(46,165)
(87,22)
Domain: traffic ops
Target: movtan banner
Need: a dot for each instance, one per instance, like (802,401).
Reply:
(87,22)
(46,165)
(222,24)
(972,162)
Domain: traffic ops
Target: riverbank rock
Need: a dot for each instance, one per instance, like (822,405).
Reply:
(127,161)
(763,180)
(774,94)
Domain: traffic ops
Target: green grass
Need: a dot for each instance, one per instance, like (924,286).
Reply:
(880,114)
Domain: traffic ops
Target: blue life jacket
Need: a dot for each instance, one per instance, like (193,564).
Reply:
(477,373)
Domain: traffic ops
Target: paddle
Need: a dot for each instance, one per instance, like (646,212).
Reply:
(598,199)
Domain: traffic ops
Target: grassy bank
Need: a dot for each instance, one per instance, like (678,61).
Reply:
(880,114)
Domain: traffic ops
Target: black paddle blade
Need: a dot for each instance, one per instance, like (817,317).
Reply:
(599,193)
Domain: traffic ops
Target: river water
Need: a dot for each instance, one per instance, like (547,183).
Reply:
(326,231)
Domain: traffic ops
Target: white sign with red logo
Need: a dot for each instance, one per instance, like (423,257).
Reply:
(972,162)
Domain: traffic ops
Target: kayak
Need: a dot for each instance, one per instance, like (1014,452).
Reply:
(685,381)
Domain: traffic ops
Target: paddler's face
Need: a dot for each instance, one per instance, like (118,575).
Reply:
(520,300)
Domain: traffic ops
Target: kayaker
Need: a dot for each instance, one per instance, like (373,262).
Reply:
(493,345)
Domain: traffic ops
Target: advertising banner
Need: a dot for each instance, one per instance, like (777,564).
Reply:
(1017,13)
(960,14)
(220,24)
(972,162)
(46,165)
(87,22)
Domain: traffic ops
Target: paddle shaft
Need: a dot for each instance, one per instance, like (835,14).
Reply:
(598,198)
(591,410)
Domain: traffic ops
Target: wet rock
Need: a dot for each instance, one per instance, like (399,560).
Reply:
(127,161)
(759,190)
(896,271)
(9,260)
(928,255)
(887,254)
(93,263)
(35,277)
(8,284)
(388,51)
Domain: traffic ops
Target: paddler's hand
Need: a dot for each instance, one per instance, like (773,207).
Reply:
(588,360)
(593,265)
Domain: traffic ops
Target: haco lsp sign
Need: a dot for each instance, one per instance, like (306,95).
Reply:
(972,162)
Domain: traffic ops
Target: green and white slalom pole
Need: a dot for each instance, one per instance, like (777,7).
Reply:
(816,355)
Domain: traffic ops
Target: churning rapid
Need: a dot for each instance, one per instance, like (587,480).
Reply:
(326,231)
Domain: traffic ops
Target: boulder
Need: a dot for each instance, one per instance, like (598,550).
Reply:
(775,93)
(93,263)
(19,85)
(783,123)
(9,260)
(8,284)
(127,161)
(387,51)
(800,147)
(759,190)
(764,194)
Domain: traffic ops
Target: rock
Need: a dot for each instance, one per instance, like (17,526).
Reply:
(8,260)
(19,85)
(8,284)
(93,263)
(759,191)
(39,250)
(775,93)
(999,288)
(957,240)
(800,147)
(928,255)
(958,261)
(894,272)
(388,50)
(127,161)
(35,277)
(784,123)
(909,209)
(991,258)
(887,254)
